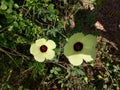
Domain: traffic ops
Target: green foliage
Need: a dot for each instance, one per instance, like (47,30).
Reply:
(75,71)
(5,86)
(55,70)
(98,3)
(24,21)
(69,78)
(38,70)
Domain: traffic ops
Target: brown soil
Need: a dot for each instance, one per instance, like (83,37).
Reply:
(108,22)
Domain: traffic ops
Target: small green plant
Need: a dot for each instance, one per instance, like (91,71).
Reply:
(38,53)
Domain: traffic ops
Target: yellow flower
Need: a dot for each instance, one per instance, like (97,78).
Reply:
(43,49)
(80,47)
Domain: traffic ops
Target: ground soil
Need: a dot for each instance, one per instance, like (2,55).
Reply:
(108,22)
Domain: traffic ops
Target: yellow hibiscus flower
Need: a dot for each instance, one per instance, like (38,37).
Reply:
(80,47)
(43,49)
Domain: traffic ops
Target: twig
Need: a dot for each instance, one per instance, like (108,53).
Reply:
(16,53)
(61,64)
(10,72)
(2,50)
(4,29)
(27,70)
(109,76)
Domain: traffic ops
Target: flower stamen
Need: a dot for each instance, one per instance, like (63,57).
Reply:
(43,48)
(78,46)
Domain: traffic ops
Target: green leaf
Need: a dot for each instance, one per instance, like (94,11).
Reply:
(16,6)
(51,7)
(10,28)
(15,24)
(65,1)
(3,7)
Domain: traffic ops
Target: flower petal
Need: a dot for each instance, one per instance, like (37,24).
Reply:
(39,58)
(68,50)
(51,44)
(75,59)
(76,38)
(40,42)
(89,41)
(87,58)
(89,54)
(34,49)
(49,54)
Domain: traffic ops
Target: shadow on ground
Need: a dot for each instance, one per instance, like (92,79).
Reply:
(108,15)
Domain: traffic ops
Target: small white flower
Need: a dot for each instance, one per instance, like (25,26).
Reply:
(80,47)
(43,49)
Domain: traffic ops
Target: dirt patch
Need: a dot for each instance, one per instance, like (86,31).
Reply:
(108,21)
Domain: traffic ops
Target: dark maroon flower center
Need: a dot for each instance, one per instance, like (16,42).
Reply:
(43,48)
(78,46)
